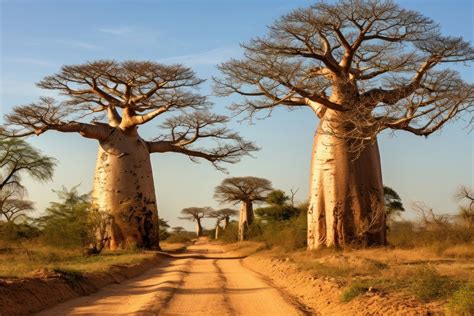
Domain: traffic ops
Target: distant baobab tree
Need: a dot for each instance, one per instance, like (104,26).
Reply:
(222,215)
(362,67)
(119,97)
(244,190)
(196,214)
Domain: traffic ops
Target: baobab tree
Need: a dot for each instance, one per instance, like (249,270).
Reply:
(244,190)
(18,157)
(222,215)
(196,214)
(362,67)
(119,97)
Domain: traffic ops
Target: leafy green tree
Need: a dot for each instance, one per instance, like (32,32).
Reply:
(164,229)
(66,222)
(278,208)
(393,202)
(17,157)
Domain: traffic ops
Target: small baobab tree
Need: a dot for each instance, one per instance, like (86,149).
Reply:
(222,215)
(362,66)
(119,97)
(196,214)
(244,190)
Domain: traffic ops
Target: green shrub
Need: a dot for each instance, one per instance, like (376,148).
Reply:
(462,301)
(10,231)
(231,233)
(352,291)
(289,234)
(181,237)
(427,284)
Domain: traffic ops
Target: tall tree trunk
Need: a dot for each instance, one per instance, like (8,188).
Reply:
(123,186)
(198,228)
(245,219)
(226,221)
(346,204)
(216,236)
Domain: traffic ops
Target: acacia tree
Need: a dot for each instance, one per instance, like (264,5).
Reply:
(244,190)
(393,202)
(18,157)
(466,211)
(362,67)
(120,97)
(278,208)
(13,206)
(222,215)
(196,214)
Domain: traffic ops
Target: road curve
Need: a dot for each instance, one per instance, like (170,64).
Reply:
(202,281)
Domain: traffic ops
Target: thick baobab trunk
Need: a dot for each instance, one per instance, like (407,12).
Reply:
(123,186)
(245,219)
(198,228)
(346,204)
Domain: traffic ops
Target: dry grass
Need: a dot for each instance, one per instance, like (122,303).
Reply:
(424,272)
(23,260)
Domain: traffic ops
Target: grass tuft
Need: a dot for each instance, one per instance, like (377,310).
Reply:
(353,290)
(428,285)
(462,301)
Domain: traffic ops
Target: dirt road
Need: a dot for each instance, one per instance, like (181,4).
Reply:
(203,281)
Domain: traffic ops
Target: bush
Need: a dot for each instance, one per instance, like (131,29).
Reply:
(231,233)
(181,237)
(428,284)
(10,231)
(462,302)
(290,234)
(405,234)
(352,291)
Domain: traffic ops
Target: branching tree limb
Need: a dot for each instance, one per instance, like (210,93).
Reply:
(382,65)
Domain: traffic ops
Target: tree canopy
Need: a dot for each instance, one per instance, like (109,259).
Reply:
(393,202)
(238,189)
(222,214)
(278,208)
(125,95)
(379,65)
(195,213)
(17,157)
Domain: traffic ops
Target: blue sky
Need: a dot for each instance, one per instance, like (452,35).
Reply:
(37,37)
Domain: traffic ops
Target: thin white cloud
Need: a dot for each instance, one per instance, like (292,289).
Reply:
(207,58)
(31,61)
(79,44)
(116,31)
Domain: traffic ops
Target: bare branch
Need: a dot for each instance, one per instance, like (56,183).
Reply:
(187,129)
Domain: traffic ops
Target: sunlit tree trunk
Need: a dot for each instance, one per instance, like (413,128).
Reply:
(346,192)
(245,220)
(216,236)
(123,186)
(198,228)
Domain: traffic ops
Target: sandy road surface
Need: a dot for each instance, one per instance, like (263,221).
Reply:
(202,281)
